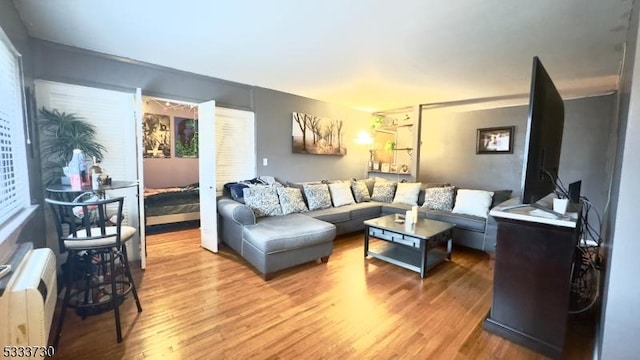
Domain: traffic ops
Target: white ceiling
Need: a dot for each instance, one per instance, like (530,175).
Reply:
(366,54)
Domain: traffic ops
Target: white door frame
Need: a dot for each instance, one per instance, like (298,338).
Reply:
(138,112)
(207,175)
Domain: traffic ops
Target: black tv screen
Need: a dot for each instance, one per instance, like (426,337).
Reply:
(544,137)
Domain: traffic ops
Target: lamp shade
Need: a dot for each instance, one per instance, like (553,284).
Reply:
(364,138)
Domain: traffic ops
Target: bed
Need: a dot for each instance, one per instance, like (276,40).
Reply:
(171,205)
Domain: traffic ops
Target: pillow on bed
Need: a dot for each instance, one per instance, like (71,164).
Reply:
(263,200)
(291,200)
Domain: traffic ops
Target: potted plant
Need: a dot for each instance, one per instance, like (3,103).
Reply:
(376,121)
(390,145)
(60,133)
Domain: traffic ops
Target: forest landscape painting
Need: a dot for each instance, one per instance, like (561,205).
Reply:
(317,135)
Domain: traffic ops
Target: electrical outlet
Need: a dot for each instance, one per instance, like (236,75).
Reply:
(265,162)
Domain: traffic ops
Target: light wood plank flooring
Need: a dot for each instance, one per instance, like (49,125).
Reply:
(200,305)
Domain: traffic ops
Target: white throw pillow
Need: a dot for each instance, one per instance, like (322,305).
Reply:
(341,194)
(473,202)
(407,193)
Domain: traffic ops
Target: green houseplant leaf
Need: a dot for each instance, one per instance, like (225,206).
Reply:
(60,133)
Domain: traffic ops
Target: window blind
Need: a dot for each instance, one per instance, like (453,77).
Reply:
(14,194)
(235,146)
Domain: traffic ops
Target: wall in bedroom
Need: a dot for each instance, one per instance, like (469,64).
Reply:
(274,125)
(448,150)
(173,171)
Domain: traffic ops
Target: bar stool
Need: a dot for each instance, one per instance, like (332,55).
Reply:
(97,256)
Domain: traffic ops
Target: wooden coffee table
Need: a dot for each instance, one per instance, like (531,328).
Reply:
(417,247)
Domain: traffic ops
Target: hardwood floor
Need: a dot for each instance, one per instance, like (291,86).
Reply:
(201,305)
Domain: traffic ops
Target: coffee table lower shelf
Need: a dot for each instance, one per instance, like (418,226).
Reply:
(406,257)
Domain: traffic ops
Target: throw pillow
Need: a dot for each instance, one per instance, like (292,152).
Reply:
(407,193)
(438,198)
(318,196)
(360,191)
(500,196)
(263,200)
(236,191)
(383,191)
(291,200)
(473,202)
(341,194)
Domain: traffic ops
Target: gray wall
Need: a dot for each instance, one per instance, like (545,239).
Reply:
(272,109)
(273,117)
(620,320)
(448,151)
(71,65)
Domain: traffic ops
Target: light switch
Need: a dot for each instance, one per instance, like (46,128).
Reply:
(265,162)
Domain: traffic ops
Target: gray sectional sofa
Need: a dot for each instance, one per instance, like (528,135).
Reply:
(272,243)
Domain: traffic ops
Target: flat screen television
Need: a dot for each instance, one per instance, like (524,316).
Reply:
(543,139)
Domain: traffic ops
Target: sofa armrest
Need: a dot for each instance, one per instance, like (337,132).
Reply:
(239,213)
(490,234)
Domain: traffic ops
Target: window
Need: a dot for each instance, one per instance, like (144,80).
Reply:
(235,146)
(14,191)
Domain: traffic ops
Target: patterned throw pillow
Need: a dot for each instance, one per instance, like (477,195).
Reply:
(291,200)
(360,191)
(317,196)
(263,200)
(438,198)
(341,194)
(383,191)
(407,193)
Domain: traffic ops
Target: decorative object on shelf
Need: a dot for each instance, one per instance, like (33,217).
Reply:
(393,168)
(495,140)
(61,133)
(186,133)
(372,158)
(385,167)
(390,145)
(312,134)
(376,165)
(157,136)
(377,121)
(404,168)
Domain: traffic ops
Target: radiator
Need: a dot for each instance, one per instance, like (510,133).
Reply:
(29,301)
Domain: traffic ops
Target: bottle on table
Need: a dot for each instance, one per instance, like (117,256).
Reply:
(75,169)
(94,174)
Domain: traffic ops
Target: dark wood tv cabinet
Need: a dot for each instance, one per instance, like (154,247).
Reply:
(532,279)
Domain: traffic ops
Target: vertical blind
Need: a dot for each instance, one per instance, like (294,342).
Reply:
(14,194)
(235,146)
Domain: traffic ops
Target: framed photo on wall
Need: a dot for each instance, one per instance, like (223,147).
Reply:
(495,140)
(157,136)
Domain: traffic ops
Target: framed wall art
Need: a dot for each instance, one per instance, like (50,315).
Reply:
(312,134)
(157,136)
(186,137)
(495,140)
